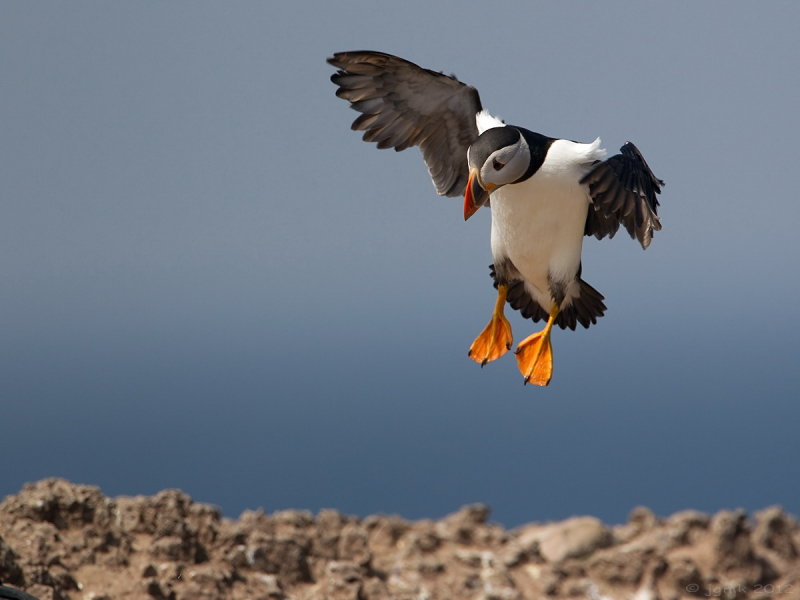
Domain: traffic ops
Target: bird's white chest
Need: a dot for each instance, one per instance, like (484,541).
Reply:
(539,223)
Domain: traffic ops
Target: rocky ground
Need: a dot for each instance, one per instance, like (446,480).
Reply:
(59,540)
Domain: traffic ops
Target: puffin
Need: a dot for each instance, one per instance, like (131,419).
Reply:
(545,194)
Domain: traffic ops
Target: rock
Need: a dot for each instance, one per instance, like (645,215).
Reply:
(61,503)
(731,538)
(62,541)
(328,530)
(385,532)
(733,552)
(45,592)
(617,567)
(686,526)
(343,581)
(641,519)
(279,556)
(353,545)
(574,538)
(460,526)
(10,571)
(774,530)
(682,573)
(424,538)
(271,587)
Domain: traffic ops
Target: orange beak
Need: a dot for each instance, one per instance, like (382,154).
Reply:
(474,195)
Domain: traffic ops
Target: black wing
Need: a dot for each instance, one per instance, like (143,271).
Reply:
(405,105)
(624,191)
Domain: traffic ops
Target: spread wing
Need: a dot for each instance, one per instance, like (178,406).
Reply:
(624,191)
(404,105)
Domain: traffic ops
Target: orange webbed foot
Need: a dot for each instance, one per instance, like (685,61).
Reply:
(495,339)
(535,354)
(535,358)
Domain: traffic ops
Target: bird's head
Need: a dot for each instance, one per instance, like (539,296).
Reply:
(498,157)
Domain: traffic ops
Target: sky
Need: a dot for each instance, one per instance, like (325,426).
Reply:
(210,283)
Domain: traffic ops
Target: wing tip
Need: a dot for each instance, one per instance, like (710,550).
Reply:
(624,190)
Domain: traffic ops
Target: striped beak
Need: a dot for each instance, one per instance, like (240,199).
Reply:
(475,195)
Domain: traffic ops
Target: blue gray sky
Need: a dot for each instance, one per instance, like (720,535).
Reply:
(210,283)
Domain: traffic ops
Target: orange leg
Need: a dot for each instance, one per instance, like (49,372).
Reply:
(535,354)
(495,340)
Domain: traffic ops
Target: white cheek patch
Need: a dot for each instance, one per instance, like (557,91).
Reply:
(515,159)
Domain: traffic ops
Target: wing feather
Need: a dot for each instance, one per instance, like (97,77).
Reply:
(624,191)
(404,105)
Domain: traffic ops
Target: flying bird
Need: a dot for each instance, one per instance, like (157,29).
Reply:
(545,193)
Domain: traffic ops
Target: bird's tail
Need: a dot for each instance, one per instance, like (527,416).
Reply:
(585,308)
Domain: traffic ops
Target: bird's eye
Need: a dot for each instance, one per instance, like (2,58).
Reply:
(497,164)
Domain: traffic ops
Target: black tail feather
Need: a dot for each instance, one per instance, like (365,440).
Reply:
(583,309)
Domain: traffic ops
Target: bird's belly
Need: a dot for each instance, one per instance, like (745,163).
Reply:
(539,225)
